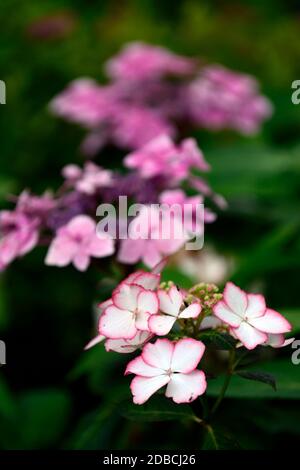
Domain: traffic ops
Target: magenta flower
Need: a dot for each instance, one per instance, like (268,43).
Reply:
(249,319)
(162,157)
(167,363)
(220,98)
(89,179)
(77,242)
(18,235)
(140,61)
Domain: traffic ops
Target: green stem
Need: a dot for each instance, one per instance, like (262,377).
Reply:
(226,382)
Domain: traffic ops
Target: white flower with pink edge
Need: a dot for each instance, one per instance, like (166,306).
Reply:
(168,363)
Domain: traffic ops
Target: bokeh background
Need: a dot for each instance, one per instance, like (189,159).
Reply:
(52,395)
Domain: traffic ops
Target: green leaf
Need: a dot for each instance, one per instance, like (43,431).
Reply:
(157,409)
(7,403)
(287,382)
(221,341)
(258,376)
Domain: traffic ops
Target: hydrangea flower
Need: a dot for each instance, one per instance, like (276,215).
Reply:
(77,242)
(19,234)
(248,317)
(170,306)
(167,363)
(138,61)
(89,179)
(130,311)
(162,157)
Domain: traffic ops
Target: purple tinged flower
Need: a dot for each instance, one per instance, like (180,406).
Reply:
(18,235)
(77,242)
(140,61)
(35,206)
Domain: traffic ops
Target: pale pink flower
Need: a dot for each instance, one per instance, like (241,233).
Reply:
(171,364)
(162,157)
(18,235)
(140,61)
(278,341)
(130,312)
(89,179)
(77,242)
(152,237)
(170,306)
(248,317)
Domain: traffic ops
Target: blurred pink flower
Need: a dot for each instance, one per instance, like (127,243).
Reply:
(77,242)
(220,98)
(140,61)
(162,157)
(18,235)
(89,179)
(152,237)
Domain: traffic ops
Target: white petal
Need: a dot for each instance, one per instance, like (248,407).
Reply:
(94,341)
(161,324)
(224,313)
(116,323)
(235,298)
(159,354)
(249,336)
(271,322)
(147,301)
(141,321)
(143,387)
(125,346)
(184,388)
(149,281)
(139,367)
(187,354)
(192,311)
(170,302)
(256,306)
(125,296)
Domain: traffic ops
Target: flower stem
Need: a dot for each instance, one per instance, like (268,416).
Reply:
(226,382)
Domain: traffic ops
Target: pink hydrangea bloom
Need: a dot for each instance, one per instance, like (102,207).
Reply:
(89,179)
(19,234)
(220,98)
(126,346)
(140,61)
(84,102)
(162,157)
(77,242)
(133,127)
(35,206)
(167,363)
(130,312)
(170,307)
(152,238)
(248,317)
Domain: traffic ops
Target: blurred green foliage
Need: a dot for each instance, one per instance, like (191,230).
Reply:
(51,393)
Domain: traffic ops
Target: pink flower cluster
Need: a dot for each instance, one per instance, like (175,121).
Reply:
(66,220)
(141,309)
(153,92)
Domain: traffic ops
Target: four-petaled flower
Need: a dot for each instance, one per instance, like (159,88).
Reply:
(167,363)
(249,319)
(76,242)
(170,304)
